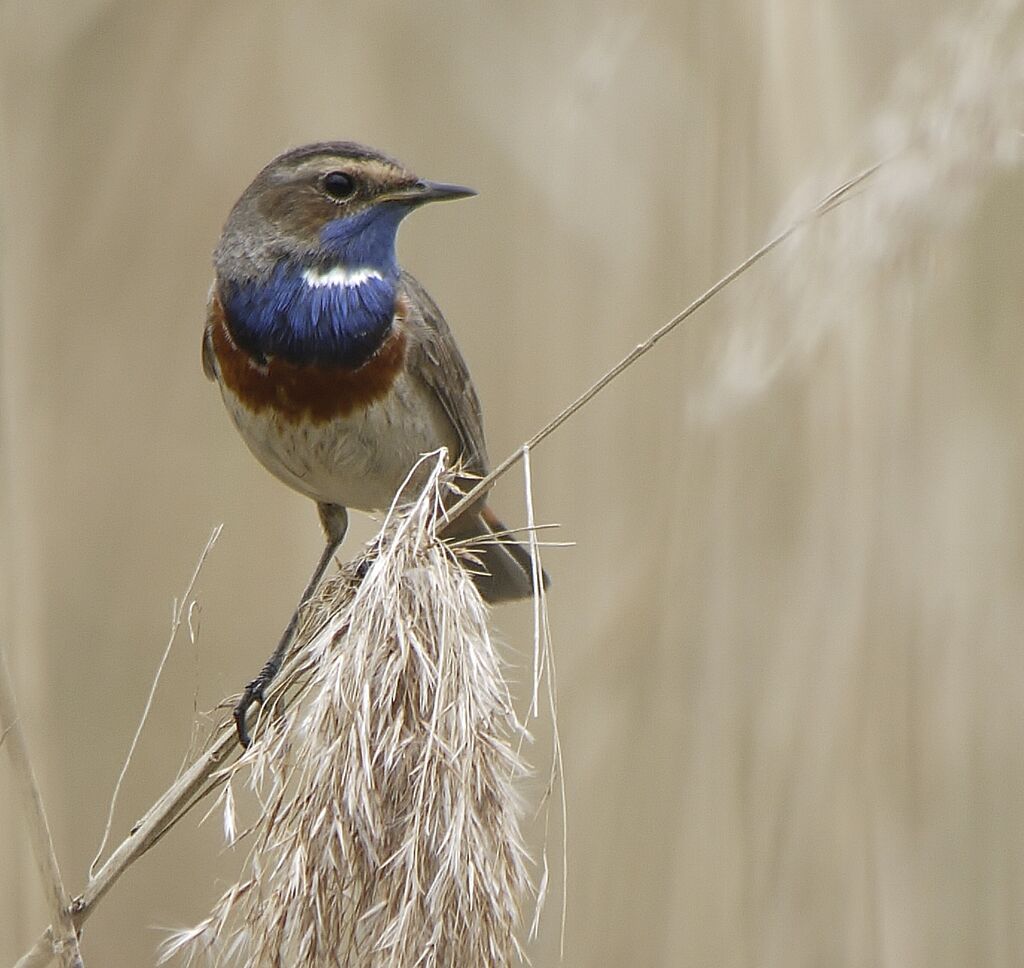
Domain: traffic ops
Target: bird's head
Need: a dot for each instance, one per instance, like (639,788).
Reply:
(334,206)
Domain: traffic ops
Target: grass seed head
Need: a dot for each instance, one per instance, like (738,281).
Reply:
(389,829)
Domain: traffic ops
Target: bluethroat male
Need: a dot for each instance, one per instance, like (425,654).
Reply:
(335,365)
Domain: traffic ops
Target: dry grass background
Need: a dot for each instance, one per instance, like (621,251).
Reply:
(790,671)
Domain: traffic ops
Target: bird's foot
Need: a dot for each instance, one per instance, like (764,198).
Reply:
(251,696)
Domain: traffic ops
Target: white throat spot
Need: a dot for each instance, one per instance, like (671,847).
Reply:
(340,276)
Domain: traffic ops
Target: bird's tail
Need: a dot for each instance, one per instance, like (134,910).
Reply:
(506,567)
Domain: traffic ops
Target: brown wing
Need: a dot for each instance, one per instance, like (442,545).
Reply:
(434,356)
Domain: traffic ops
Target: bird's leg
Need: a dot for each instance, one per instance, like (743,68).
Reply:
(335,521)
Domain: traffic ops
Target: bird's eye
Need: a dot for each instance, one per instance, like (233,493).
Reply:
(339,185)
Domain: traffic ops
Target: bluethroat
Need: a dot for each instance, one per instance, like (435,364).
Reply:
(336,367)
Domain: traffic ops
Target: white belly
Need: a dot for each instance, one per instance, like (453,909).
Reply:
(358,461)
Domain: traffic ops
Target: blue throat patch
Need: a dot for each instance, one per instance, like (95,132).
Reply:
(286,316)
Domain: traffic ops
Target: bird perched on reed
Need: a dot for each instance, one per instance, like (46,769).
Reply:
(336,367)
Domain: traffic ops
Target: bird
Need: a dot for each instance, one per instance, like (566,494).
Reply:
(336,367)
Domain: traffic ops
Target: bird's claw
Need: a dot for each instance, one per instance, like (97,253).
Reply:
(253,695)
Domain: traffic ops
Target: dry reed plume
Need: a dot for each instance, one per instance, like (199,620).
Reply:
(951,126)
(389,827)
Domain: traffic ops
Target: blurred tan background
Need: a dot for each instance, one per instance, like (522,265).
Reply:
(789,635)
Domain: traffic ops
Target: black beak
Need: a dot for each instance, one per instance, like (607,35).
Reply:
(421,192)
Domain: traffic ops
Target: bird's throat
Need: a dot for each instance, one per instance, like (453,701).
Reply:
(336,315)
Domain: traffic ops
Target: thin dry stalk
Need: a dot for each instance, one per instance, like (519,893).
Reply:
(63,942)
(178,615)
(832,200)
(389,832)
